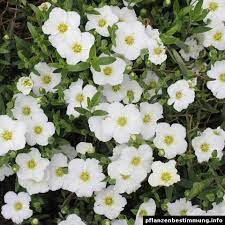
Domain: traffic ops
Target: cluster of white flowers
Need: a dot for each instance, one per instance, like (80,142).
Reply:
(127,117)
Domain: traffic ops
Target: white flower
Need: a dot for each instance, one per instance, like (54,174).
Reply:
(46,79)
(12,134)
(213,6)
(17,207)
(153,34)
(39,130)
(139,160)
(56,171)
(25,107)
(132,90)
(102,126)
(110,74)
(205,144)
(5,171)
(131,167)
(217,17)
(24,85)
(130,39)
(72,219)
(217,133)
(113,93)
(67,150)
(164,174)
(215,37)
(84,177)
(197,212)
(35,187)
(147,208)
(180,207)
(85,147)
(125,120)
(157,52)
(150,114)
(77,47)
(76,96)
(217,85)
(117,150)
(59,24)
(109,203)
(217,210)
(127,179)
(194,48)
(101,22)
(44,6)
(31,165)
(171,139)
(181,95)
(151,80)
(124,14)
(119,222)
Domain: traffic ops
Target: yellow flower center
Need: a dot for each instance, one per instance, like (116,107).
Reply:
(166,176)
(152,84)
(146,118)
(216,132)
(130,94)
(109,201)
(183,212)
(59,172)
(142,213)
(179,95)
(79,98)
(18,206)
(204,147)
(122,121)
(116,88)
(213,6)
(77,48)
(38,129)
(26,111)
(136,161)
(222,77)
(129,40)
(102,22)
(31,164)
(217,36)
(157,51)
(27,83)
(85,176)
(7,135)
(107,71)
(168,140)
(62,27)
(46,79)
(125,177)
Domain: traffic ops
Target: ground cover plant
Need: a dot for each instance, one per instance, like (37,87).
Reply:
(111,110)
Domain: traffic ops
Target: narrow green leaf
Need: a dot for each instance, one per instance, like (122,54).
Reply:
(79,67)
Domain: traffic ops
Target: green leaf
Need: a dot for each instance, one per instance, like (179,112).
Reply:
(82,111)
(180,62)
(91,10)
(92,53)
(99,113)
(106,60)
(95,65)
(78,67)
(32,30)
(95,99)
(4,51)
(200,29)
